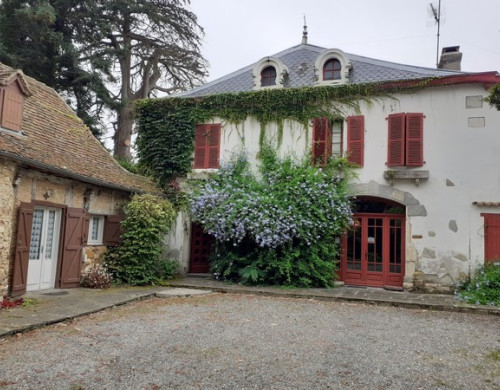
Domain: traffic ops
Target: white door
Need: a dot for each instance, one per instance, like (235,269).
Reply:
(44,248)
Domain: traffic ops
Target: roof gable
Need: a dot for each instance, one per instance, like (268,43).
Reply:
(9,75)
(55,140)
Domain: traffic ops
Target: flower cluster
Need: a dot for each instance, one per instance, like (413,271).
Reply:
(97,276)
(287,201)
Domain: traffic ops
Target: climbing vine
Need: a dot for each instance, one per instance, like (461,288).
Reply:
(166,126)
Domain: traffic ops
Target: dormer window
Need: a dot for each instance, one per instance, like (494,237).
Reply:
(268,76)
(269,72)
(331,69)
(13,91)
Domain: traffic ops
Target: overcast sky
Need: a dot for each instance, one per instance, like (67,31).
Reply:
(241,32)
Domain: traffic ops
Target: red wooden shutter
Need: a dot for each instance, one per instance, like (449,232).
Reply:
(491,237)
(396,143)
(356,139)
(213,145)
(72,248)
(207,146)
(21,260)
(12,112)
(112,230)
(200,142)
(322,141)
(414,139)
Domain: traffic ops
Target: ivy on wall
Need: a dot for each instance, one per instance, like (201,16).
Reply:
(166,126)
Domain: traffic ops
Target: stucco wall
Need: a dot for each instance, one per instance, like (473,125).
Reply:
(445,239)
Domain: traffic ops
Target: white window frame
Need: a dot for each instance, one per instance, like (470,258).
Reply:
(281,73)
(345,64)
(100,230)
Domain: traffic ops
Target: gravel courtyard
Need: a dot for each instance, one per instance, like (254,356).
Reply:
(226,341)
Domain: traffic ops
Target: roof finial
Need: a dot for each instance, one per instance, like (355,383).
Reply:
(304,33)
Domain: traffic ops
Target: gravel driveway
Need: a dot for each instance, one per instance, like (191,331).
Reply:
(225,341)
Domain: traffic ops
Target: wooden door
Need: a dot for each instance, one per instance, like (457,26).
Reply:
(373,251)
(21,260)
(491,237)
(201,244)
(75,234)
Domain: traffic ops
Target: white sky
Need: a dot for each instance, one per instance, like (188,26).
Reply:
(241,32)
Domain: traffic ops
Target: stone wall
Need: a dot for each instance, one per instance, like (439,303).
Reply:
(7,216)
(20,184)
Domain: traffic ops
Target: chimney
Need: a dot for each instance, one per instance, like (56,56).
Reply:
(451,58)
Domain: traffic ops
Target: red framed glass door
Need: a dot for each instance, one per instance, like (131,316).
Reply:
(373,251)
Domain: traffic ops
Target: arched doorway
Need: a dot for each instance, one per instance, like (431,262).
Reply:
(373,250)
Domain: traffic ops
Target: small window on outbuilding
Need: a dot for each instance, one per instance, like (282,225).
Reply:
(268,76)
(96,229)
(332,69)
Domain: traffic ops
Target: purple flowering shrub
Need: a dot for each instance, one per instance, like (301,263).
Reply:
(277,226)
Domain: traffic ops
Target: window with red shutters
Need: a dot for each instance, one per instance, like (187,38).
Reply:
(405,141)
(356,139)
(322,141)
(206,146)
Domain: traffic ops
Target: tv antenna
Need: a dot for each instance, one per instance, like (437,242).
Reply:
(435,14)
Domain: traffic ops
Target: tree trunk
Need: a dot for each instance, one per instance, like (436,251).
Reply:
(123,134)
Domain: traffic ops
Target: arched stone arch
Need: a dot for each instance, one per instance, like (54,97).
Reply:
(413,206)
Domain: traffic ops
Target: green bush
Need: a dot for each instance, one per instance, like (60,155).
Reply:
(277,227)
(483,288)
(140,257)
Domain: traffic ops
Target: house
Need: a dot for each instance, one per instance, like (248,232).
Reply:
(61,192)
(427,193)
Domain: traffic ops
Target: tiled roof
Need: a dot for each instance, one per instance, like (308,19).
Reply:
(55,140)
(300,61)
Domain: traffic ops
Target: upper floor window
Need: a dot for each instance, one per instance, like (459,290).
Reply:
(327,140)
(331,69)
(269,72)
(207,146)
(13,91)
(405,143)
(268,76)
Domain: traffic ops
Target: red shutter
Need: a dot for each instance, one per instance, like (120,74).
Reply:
(200,142)
(322,141)
(414,140)
(491,237)
(213,142)
(356,139)
(207,146)
(12,112)
(21,260)
(112,230)
(396,143)
(72,248)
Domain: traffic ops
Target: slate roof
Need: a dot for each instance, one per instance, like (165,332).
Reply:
(300,61)
(53,139)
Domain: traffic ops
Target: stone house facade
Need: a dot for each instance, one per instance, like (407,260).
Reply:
(426,196)
(62,194)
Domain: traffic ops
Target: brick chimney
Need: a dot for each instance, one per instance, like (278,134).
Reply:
(451,58)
